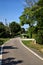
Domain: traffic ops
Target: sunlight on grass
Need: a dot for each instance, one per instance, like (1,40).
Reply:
(37,46)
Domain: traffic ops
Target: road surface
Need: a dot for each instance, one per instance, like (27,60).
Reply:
(15,54)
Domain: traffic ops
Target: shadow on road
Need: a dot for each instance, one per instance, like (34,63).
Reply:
(0,49)
(5,52)
(11,61)
(9,47)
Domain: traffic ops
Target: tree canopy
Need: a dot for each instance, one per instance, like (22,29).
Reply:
(14,27)
(2,29)
(33,12)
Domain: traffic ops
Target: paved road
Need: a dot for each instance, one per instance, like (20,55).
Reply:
(15,54)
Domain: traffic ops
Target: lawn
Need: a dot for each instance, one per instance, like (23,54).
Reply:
(2,40)
(36,46)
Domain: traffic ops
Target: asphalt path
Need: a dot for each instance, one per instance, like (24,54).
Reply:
(15,54)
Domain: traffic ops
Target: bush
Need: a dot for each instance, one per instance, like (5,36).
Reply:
(27,36)
(39,38)
(1,42)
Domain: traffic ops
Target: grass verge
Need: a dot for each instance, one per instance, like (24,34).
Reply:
(36,46)
(2,40)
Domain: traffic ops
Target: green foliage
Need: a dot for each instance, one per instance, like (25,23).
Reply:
(1,42)
(2,29)
(22,30)
(40,3)
(32,13)
(39,17)
(27,17)
(39,37)
(14,28)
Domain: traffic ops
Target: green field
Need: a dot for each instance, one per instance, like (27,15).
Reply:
(36,46)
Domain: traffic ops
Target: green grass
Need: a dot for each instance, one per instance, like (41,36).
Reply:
(2,40)
(36,46)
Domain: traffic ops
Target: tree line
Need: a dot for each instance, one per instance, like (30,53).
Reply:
(12,30)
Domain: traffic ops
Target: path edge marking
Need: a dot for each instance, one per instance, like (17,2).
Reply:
(31,50)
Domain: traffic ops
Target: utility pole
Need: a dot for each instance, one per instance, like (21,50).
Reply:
(6,22)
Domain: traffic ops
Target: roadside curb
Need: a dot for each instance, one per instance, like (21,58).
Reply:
(31,51)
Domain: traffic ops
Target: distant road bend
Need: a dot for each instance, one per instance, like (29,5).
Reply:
(15,54)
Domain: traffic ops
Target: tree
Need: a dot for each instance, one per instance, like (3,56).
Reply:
(2,30)
(30,3)
(15,28)
(32,13)
(37,13)
(22,30)
(27,18)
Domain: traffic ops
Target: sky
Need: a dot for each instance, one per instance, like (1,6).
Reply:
(11,10)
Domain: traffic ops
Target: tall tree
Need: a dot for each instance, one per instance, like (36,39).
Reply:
(39,17)
(2,29)
(33,12)
(37,10)
(27,18)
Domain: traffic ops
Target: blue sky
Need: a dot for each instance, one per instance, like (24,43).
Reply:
(11,10)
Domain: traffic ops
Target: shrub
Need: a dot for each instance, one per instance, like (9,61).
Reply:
(39,38)
(1,42)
